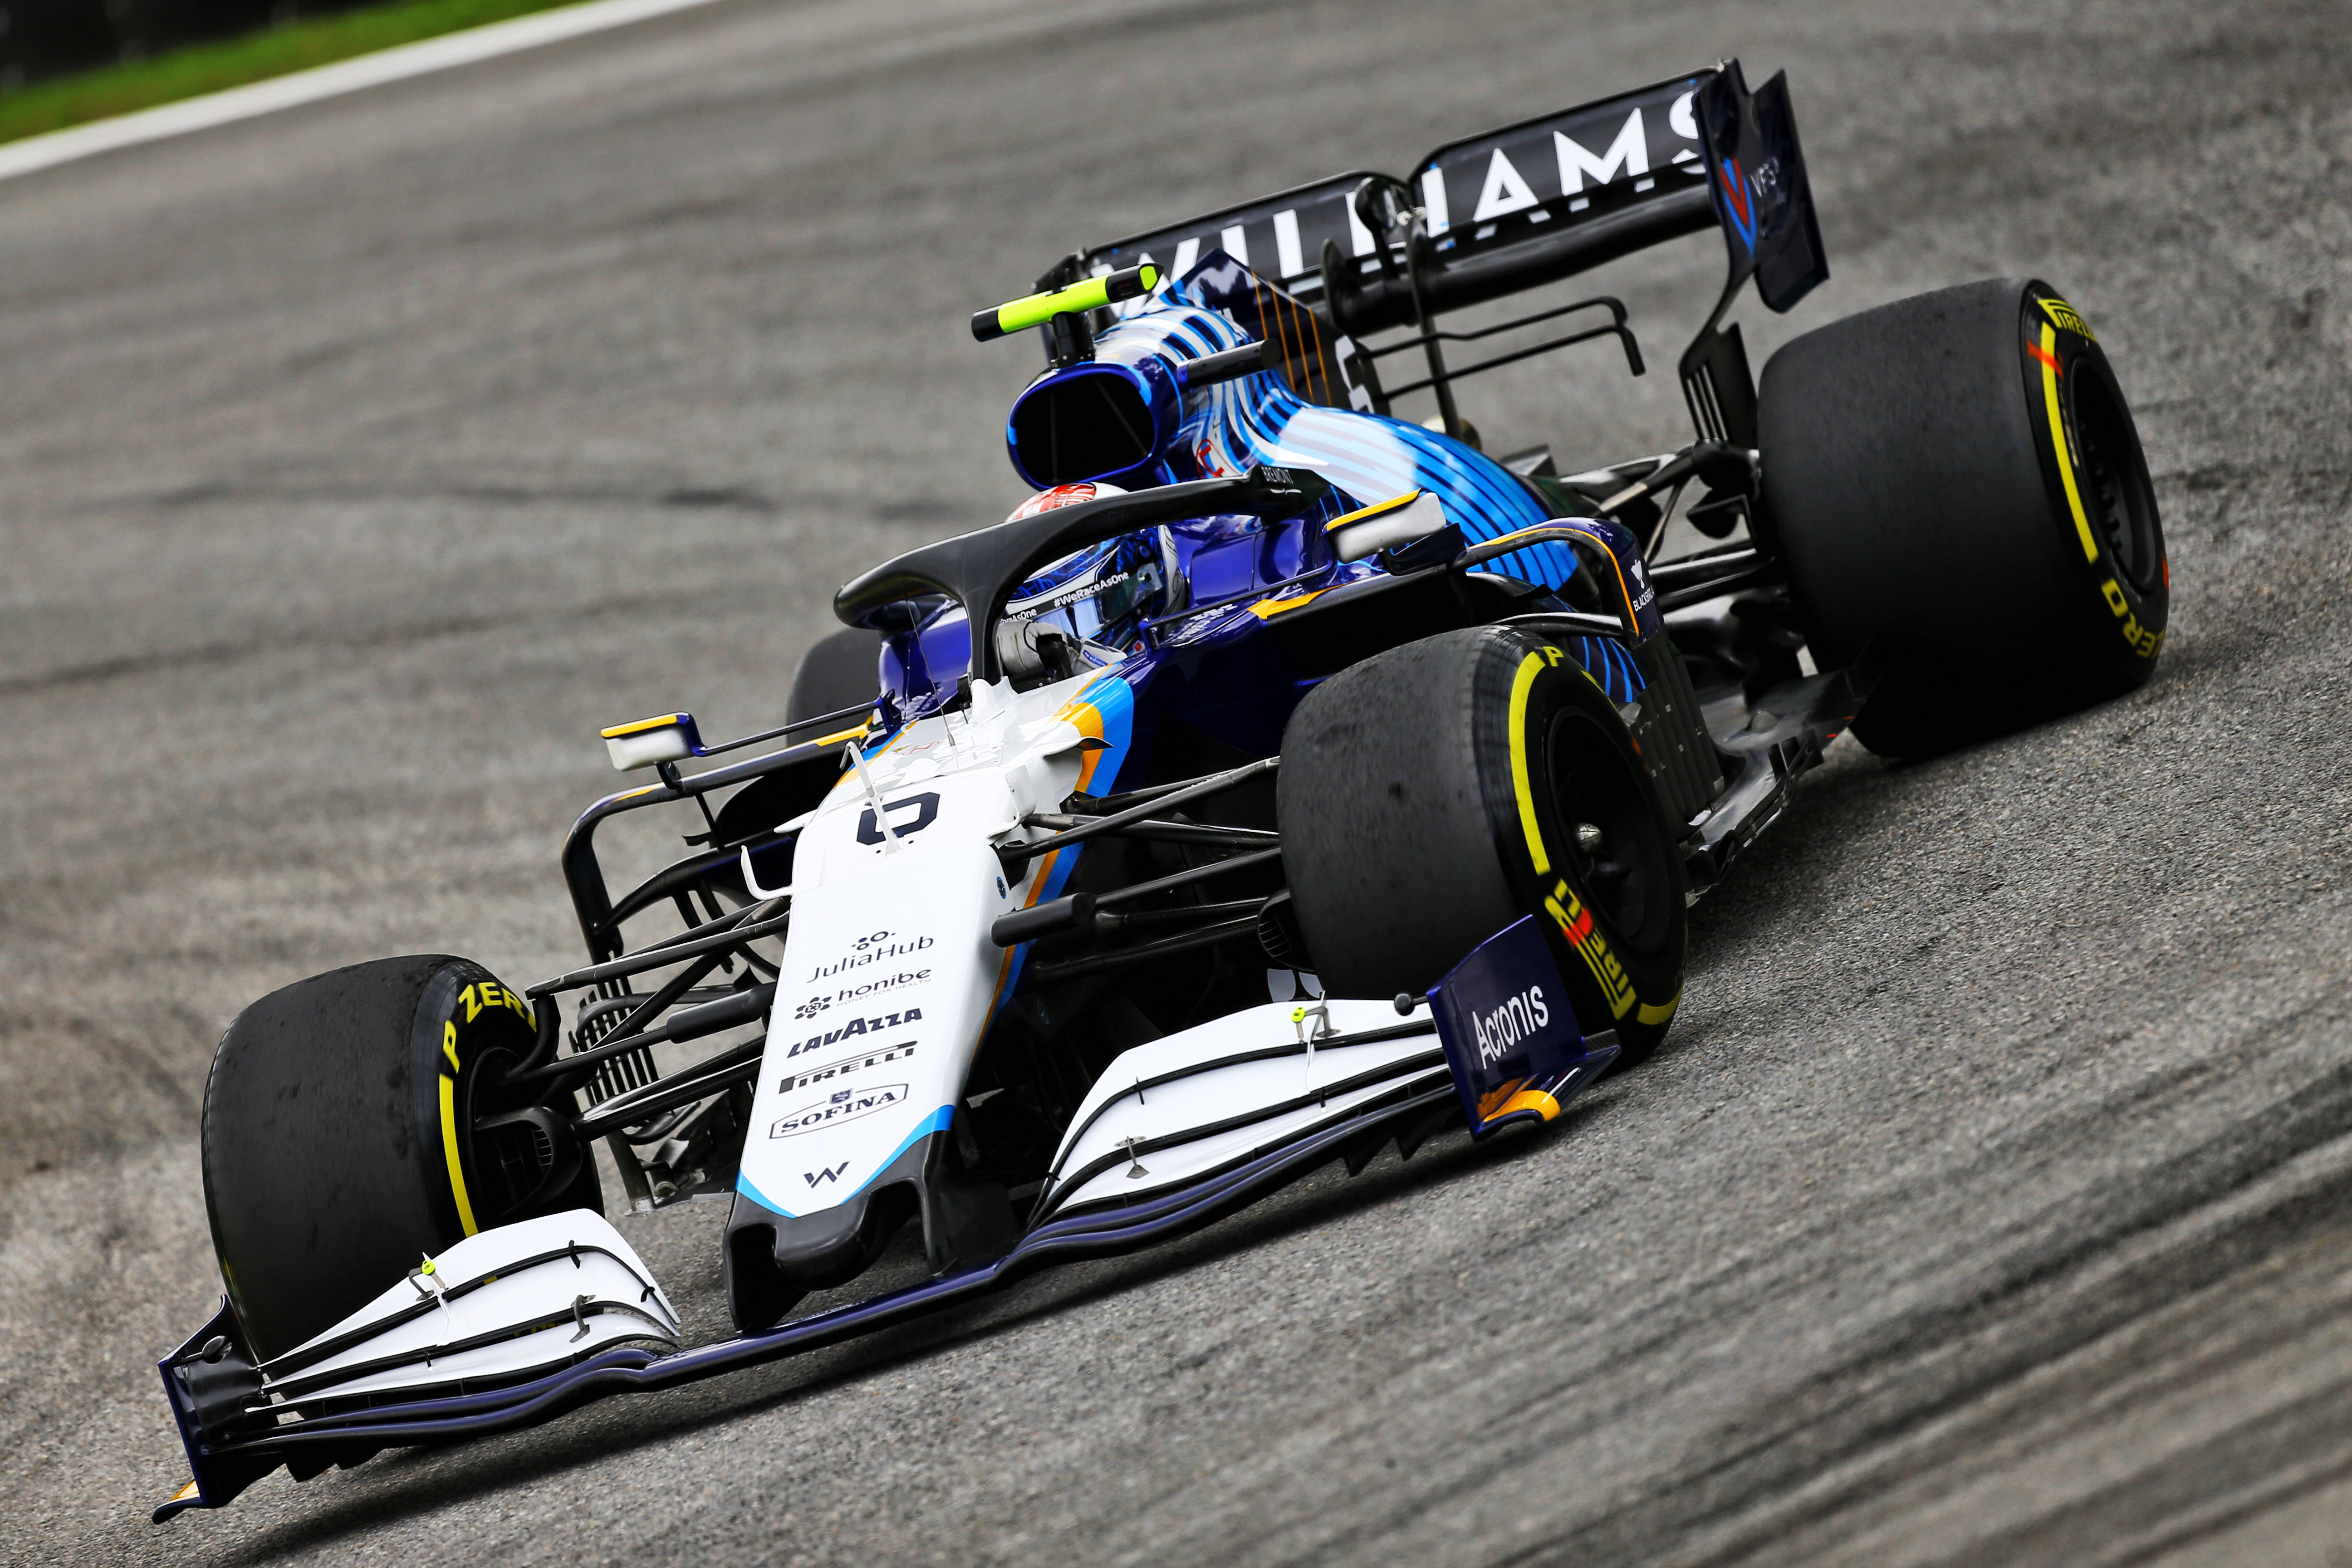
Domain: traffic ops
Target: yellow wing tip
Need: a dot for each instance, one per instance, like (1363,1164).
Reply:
(1377,508)
(1533,1100)
(639,726)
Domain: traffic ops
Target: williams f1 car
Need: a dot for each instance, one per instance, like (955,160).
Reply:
(1286,779)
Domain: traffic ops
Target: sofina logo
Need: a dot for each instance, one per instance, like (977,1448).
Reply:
(842,1105)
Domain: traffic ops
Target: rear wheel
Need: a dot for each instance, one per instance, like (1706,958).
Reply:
(1435,794)
(348,1131)
(839,670)
(1956,478)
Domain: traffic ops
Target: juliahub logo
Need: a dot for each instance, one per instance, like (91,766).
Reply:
(870,949)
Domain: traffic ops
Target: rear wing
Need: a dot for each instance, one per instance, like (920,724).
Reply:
(1543,200)
(1534,202)
(1280,237)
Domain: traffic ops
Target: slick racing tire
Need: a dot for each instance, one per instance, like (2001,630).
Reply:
(1955,480)
(839,671)
(1433,795)
(347,1135)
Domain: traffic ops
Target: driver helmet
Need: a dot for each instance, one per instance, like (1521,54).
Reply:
(1103,593)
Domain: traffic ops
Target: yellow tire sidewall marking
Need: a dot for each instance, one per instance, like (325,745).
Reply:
(2146,643)
(1568,911)
(2143,642)
(2066,316)
(2058,441)
(449,1129)
(1608,971)
(1521,684)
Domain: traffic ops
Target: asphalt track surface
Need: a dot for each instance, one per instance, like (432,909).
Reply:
(1992,1201)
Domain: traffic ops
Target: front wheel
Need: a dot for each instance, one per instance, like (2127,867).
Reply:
(1435,793)
(348,1131)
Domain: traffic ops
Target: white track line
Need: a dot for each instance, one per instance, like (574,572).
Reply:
(52,148)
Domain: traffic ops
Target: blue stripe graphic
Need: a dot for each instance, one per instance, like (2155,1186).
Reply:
(743,1185)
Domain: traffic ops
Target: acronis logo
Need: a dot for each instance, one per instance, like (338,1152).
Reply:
(1500,1030)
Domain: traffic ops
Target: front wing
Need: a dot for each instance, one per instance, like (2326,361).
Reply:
(1468,1050)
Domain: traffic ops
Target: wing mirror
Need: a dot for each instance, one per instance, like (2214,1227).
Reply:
(1398,520)
(645,743)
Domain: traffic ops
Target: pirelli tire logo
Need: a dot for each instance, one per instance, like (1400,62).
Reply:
(2066,320)
(1576,924)
(490,994)
(2146,643)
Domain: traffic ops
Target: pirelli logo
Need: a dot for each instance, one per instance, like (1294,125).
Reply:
(804,1080)
(1576,924)
(2146,643)
(490,994)
(2064,315)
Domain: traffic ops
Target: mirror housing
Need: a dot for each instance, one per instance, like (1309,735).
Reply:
(647,743)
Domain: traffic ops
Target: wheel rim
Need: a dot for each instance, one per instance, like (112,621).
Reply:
(2118,494)
(1625,876)
(507,1165)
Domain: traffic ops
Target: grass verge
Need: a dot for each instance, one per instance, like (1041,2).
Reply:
(232,62)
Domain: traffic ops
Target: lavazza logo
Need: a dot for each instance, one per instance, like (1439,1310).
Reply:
(854,1028)
(846,1105)
(1498,1031)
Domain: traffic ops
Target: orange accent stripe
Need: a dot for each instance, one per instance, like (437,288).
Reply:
(1321,371)
(1533,1100)
(2044,355)
(1622,589)
(1490,1104)
(1268,314)
(1089,721)
(1266,609)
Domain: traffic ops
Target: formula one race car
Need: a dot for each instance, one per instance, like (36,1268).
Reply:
(1284,780)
